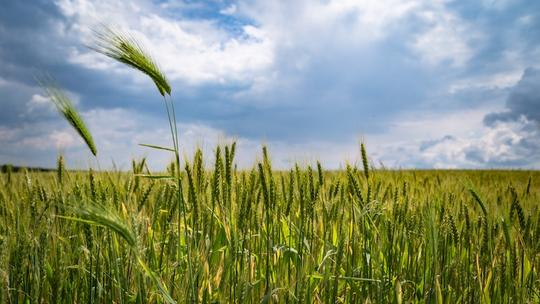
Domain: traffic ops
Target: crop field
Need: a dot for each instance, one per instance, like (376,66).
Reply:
(220,235)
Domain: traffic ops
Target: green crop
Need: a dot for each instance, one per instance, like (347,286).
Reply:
(263,235)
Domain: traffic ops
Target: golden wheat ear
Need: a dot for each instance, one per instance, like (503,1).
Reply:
(67,109)
(125,49)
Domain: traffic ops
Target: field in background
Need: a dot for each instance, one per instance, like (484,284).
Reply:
(304,236)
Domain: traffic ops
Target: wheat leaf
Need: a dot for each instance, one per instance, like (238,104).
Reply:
(157,147)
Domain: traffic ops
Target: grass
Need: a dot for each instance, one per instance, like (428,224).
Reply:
(210,233)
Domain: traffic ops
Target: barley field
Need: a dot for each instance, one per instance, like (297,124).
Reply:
(217,234)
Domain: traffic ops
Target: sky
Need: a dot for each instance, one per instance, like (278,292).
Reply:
(424,84)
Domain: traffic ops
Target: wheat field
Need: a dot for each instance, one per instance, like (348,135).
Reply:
(223,235)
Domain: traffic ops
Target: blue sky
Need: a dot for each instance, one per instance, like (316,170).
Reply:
(427,84)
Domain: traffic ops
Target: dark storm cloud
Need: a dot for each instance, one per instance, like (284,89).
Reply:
(523,113)
(524,100)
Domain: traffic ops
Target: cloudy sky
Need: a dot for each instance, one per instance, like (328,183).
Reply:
(429,84)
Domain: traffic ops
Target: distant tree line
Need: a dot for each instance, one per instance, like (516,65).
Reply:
(11,168)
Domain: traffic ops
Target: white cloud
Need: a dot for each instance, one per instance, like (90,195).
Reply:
(447,39)
(89,59)
(193,51)
(200,51)
(38,136)
(118,133)
(195,58)
(295,22)
(63,139)
(501,80)
(39,102)
(412,126)
(230,10)
(505,144)
(400,145)
(287,34)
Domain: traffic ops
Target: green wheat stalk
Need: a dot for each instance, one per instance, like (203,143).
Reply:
(125,49)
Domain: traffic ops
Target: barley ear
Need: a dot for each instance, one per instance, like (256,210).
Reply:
(67,109)
(479,201)
(125,49)
(365,161)
(60,168)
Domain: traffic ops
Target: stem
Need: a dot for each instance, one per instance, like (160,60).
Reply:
(182,207)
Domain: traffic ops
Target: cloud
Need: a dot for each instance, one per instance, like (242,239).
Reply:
(508,138)
(294,23)
(512,144)
(230,10)
(414,79)
(495,81)
(274,72)
(42,104)
(523,101)
(39,102)
(194,51)
(448,38)
(36,138)
(504,145)
(426,145)
(62,139)
(523,113)
(119,130)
